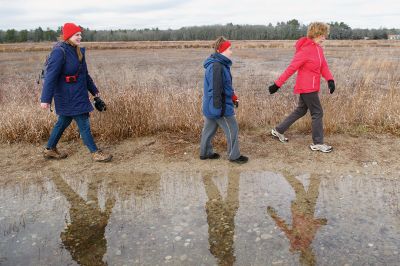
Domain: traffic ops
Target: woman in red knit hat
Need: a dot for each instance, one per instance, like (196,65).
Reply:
(67,80)
(310,63)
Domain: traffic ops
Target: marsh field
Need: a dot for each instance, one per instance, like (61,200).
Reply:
(156,203)
(153,87)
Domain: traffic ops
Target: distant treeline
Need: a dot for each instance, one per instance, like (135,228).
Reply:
(289,30)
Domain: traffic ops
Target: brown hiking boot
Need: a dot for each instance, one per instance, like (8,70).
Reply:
(100,156)
(54,154)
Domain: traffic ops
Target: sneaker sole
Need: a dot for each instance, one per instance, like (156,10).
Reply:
(324,151)
(209,158)
(104,161)
(275,135)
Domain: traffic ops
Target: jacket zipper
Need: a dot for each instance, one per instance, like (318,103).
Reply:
(320,65)
(319,56)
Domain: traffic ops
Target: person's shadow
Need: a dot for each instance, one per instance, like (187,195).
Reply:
(221,218)
(304,225)
(84,237)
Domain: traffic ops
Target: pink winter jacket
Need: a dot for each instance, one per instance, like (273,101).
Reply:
(310,62)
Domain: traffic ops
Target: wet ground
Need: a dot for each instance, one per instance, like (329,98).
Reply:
(228,217)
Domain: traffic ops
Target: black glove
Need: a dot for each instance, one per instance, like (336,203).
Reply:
(99,104)
(331,85)
(273,88)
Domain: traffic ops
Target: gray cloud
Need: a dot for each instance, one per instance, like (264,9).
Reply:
(117,14)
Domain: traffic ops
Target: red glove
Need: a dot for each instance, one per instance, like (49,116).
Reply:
(235,100)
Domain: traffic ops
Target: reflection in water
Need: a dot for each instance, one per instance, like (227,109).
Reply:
(175,219)
(304,226)
(84,236)
(221,218)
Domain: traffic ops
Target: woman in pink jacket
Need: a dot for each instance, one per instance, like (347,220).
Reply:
(310,63)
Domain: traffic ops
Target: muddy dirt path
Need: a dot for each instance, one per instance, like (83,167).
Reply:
(158,154)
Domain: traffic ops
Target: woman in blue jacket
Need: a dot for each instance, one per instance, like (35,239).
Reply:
(67,81)
(218,103)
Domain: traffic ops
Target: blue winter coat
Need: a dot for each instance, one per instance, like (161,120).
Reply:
(70,98)
(218,90)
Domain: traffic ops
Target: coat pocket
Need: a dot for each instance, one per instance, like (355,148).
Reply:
(216,112)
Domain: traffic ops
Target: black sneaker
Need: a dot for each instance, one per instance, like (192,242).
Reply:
(241,160)
(212,156)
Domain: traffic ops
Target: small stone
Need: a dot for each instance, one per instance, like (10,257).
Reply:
(178,238)
(183,257)
(257,239)
(118,252)
(178,228)
(266,236)
(168,257)
(186,244)
(370,245)
(34,244)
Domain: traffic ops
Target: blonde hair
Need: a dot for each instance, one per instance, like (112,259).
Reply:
(218,42)
(78,49)
(316,29)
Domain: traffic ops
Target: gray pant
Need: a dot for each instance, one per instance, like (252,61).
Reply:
(231,130)
(307,101)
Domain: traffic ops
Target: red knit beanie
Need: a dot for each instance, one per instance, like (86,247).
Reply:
(223,46)
(70,29)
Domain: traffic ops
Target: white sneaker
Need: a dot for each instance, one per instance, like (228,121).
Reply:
(280,136)
(321,147)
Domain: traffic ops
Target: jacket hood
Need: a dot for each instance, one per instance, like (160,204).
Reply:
(217,57)
(302,42)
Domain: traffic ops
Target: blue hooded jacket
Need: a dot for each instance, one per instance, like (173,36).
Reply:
(70,98)
(218,90)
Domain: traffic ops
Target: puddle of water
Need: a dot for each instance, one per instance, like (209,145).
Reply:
(216,218)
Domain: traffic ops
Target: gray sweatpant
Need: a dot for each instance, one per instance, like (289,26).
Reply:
(307,101)
(231,130)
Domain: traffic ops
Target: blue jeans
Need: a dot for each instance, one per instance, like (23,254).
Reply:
(84,129)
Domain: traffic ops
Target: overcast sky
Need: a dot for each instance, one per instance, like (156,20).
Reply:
(130,14)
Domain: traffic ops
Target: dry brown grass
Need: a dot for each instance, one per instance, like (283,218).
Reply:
(152,90)
(46,46)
